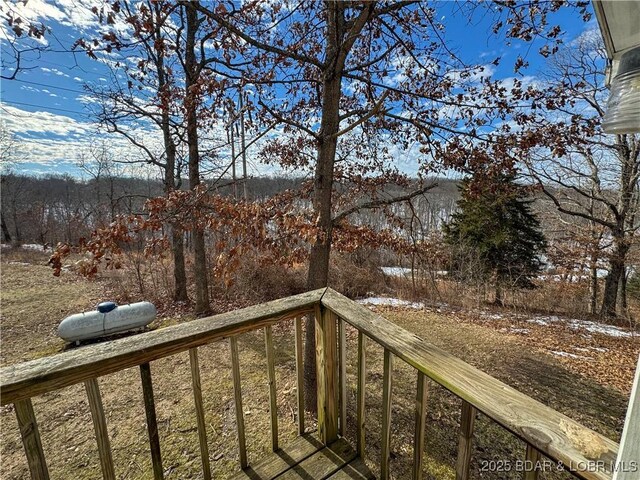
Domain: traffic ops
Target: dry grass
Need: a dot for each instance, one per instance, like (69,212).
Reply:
(65,421)
(550,297)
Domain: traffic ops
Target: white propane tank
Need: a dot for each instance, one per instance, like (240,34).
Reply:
(108,319)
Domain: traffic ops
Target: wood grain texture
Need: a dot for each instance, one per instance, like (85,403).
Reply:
(387,385)
(152,424)
(421,414)
(554,434)
(100,428)
(323,463)
(31,440)
(628,461)
(342,355)
(237,396)
(354,470)
(532,459)
(362,393)
(465,442)
(271,378)
(299,374)
(327,378)
(279,462)
(199,406)
(43,375)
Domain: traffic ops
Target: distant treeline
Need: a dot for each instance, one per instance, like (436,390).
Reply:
(52,209)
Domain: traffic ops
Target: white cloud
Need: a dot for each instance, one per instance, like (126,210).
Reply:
(50,139)
(84,98)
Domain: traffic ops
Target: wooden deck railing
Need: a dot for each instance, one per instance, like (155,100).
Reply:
(584,452)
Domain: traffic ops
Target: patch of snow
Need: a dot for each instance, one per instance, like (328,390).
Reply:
(599,349)
(594,327)
(589,326)
(406,272)
(564,278)
(544,321)
(33,246)
(569,355)
(391,302)
(522,331)
(396,271)
(19,263)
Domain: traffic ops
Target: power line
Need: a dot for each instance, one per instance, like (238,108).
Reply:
(47,85)
(45,107)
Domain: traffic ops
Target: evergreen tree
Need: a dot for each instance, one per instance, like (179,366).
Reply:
(495,224)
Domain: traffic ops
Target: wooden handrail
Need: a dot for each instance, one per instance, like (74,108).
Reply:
(46,374)
(544,430)
(552,433)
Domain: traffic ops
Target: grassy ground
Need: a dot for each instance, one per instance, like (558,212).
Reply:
(33,302)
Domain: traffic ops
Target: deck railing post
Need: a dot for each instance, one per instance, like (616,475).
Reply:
(202,425)
(273,396)
(152,425)
(421,412)
(532,459)
(362,380)
(100,428)
(299,374)
(327,374)
(387,385)
(342,355)
(465,445)
(237,395)
(31,439)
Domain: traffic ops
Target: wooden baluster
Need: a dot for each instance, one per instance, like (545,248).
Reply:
(100,428)
(152,425)
(237,391)
(532,458)
(300,375)
(271,375)
(467,421)
(362,379)
(326,363)
(31,439)
(421,411)
(202,426)
(342,353)
(387,383)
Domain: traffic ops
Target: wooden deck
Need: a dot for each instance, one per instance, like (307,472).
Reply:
(324,454)
(307,458)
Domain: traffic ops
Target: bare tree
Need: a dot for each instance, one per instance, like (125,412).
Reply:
(123,106)
(354,72)
(584,172)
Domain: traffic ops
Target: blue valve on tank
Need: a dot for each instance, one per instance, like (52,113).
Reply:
(106,307)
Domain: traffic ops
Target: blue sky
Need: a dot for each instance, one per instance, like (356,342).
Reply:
(47,107)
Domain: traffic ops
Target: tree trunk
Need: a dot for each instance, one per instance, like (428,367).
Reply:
(616,270)
(5,230)
(499,301)
(170,174)
(593,285)
(179,271)
(17,235)
(318,274)
(622,292)
(191,102)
